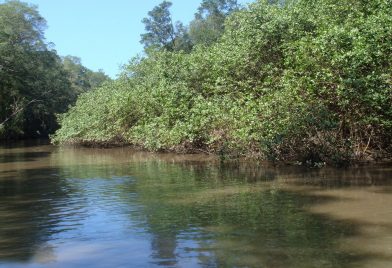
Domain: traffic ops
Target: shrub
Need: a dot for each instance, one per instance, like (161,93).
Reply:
(307,81)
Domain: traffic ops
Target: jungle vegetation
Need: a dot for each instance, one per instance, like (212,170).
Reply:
(300,80)
(35,82)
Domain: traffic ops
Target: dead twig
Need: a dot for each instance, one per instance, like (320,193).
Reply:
(18,110)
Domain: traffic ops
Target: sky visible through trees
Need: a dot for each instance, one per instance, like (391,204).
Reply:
(110,29)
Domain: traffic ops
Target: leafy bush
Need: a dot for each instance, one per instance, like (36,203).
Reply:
(308,81)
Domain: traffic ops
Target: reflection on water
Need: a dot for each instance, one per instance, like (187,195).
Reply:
(68,207)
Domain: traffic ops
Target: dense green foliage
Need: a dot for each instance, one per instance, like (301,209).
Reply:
(82,79)
(35,83)
(305,80)
(205,29)
(209,23)
(32,82)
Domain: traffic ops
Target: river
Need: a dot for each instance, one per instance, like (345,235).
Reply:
(83,207)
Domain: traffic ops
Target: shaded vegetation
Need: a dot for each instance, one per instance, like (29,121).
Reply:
(35,83)
(296,80)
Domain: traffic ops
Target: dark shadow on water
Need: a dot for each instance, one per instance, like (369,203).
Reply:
(249,229)
(14,144)
(237,228)
(342,178)
(22,157)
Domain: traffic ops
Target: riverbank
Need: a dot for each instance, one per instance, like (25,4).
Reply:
(233,157)
(283,83)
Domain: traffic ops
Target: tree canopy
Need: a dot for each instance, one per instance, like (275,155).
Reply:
(34,82)
(82,79)
(160,31)
(205,29)
(209,22)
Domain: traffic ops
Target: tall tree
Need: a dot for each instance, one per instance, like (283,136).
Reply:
(82,79)
(77,73)
(33,83)
(159,27)
(96,79)
(209,21)
(161,33)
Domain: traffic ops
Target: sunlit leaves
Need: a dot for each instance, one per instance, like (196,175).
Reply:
(288,80)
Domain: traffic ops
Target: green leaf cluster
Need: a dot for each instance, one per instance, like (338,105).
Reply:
(35,83)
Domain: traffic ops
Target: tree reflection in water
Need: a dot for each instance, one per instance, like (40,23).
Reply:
(192,213)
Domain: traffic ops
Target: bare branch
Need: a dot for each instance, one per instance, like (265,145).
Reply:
(18,110)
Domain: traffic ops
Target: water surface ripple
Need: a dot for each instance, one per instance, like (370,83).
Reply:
(79,207)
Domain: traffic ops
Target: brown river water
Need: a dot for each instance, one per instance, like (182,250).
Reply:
(81,207)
